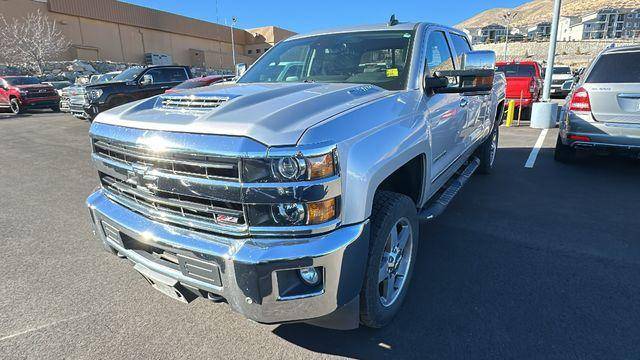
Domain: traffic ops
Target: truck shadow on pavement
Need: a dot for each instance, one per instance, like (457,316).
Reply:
(526,263)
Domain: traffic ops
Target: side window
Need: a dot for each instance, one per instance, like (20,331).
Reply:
(439,56)
(460,45)
(166,75)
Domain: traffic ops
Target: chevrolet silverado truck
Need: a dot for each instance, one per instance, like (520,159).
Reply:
(298,198)
(19,93)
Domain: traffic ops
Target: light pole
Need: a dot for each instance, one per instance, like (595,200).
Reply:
(508,18)
(546,94)
(234,20)
(544,114)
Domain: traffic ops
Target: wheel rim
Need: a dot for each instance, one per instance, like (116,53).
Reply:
(15,108)
(494,148)
(395,262)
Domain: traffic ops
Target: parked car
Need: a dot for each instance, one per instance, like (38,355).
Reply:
(135,83)
(560,75)
(200,82)
(19,93)
(300,200)
(524,83)
(77,93)
(603,113)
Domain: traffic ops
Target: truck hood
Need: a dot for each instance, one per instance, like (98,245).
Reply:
(271,113)
(562,77)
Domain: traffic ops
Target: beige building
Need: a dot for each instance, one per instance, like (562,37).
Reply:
(121,32)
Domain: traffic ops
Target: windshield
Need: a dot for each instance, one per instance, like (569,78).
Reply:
(59,84)
(128,75)
(23,80)
(106,78)
(378,58)
(561,70)
(517,70)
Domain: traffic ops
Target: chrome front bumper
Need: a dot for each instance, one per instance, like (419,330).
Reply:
(249,268)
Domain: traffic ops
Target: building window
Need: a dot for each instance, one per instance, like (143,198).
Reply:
(249,52)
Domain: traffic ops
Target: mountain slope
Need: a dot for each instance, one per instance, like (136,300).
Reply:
(540,10)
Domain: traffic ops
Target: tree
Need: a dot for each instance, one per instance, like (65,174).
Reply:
(31,41)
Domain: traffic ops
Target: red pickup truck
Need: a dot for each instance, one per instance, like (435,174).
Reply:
(524,83)
(18,93)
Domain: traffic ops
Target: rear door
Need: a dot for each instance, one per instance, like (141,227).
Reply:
(476,104)
(613,85)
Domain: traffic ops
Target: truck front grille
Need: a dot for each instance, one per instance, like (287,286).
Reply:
(185,164)
(186,211)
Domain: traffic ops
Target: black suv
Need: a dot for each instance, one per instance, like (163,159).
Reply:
(133,84)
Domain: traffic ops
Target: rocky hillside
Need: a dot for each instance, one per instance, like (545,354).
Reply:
(540,10)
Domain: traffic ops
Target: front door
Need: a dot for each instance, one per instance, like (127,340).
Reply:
(162,79)
(445,113)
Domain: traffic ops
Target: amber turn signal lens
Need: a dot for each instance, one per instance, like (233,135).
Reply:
(321,166)
(321,211)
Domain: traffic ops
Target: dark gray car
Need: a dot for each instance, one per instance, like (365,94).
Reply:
(603,112)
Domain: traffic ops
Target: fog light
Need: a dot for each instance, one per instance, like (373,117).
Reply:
(309,275)
(289,214)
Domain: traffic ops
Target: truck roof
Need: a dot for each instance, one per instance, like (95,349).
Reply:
(406,26)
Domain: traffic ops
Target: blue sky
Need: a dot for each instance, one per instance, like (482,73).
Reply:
(303,16)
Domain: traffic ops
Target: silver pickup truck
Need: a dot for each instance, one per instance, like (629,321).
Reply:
(297,196)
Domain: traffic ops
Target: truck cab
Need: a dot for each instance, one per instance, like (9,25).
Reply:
(297,197)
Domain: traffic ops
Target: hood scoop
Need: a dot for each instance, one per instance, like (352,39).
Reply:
(191,102)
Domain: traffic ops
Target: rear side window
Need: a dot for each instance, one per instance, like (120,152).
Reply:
(517,70)
(460,45)
(616,68)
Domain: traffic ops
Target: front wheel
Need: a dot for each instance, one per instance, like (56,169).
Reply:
(16,108)
(56,108)
(392,254)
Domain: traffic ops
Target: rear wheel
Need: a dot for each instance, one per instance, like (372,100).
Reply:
(392,254)
(487,152)
(16,108)
(55,108)
(564,153)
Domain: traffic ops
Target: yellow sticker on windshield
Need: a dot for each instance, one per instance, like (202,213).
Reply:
(392,72)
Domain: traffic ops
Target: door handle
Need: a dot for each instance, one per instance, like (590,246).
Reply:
(464,102)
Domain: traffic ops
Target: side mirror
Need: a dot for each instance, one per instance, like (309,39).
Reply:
(240,69)
(146,80)
(476,75)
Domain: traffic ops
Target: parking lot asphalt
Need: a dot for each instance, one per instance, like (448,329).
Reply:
(526,263)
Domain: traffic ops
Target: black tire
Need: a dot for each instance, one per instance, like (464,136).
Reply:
(487,152)
(56,108)
(15,106)
(526,114)
(564,153)
(388,209)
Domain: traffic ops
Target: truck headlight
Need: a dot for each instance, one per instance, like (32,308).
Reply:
(94,94)
(290,168)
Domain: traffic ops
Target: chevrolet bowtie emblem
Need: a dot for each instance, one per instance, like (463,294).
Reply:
(141,177)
